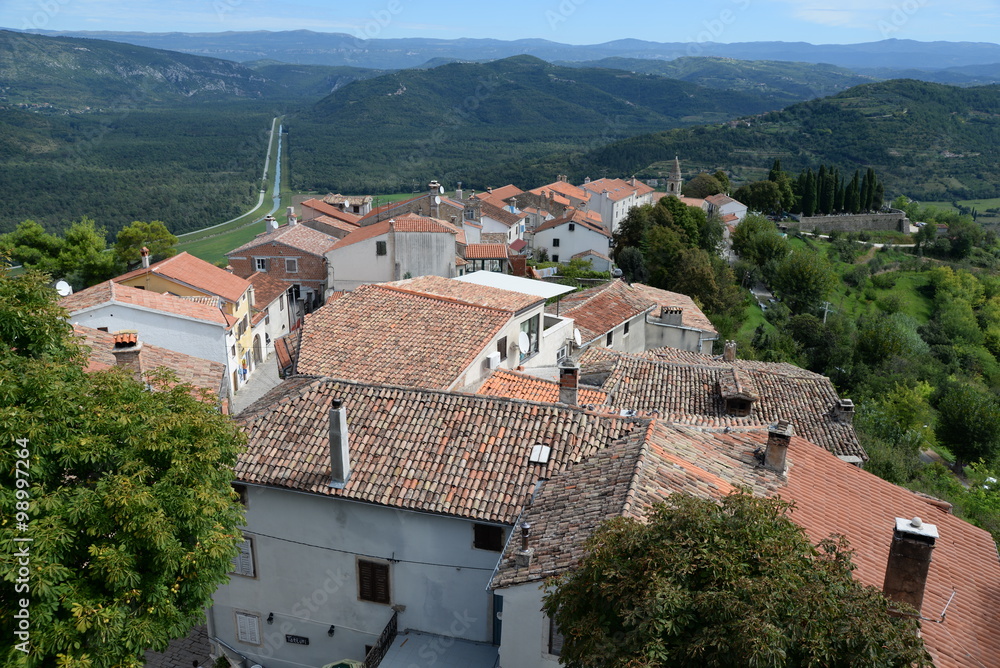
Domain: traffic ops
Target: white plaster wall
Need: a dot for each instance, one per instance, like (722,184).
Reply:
(306,548)
(425,254)
(358,264)
(524,637)
(184,335)
(570,243)
(684,338)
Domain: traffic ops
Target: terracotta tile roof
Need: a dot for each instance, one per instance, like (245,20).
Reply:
(350,200)
(583,254)
(518,245)
(111,292)
(195,272)
(266,288)
(515,385)
(563,189)
(331,211)
(598,310)
(460,262)
(584,218)
(470,293)
(625,480)
(486,252)
(693,201)
(387,334)
(342,225)
(834,497)
(486,197)
(456,454)
(689,393)
(720,200)
(214,302)
(499,214)
(299,237)
(506,192)
(691,315)
(127,338)
(730,218)
(616,189)
(408,222)
(200,373)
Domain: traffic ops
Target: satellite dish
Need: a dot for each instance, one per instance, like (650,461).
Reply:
(437,199)
(441,189)
(577,339)
(64,288)
(523,343)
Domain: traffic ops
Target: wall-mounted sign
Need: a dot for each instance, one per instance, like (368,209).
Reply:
(296,640)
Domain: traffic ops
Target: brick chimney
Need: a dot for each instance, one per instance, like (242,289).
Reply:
(340,461)
(569,382)
(779,435)
(127,349)
(729,351)
(843,411)
(909,559)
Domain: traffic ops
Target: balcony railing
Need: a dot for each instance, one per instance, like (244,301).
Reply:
(377,653)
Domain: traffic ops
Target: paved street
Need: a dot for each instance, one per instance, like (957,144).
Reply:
(264,377)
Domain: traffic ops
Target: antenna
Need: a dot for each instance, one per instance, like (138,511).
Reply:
(64,288)
(441,190)
(577,339)
(523,343)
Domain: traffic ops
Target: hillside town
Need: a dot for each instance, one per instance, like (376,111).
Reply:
(435,426)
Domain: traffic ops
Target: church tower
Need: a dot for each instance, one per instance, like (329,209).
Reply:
(675,181)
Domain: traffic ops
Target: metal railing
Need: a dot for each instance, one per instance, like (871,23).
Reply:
(378,651)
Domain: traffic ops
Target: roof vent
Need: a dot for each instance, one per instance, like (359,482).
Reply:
(540,454)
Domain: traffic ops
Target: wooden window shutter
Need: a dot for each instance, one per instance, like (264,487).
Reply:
(373,581)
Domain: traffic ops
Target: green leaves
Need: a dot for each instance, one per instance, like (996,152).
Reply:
(735,584)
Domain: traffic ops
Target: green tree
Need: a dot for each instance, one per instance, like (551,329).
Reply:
(723,178)
(736,584)
(155,236)
(79,256)
(764,196)
(969,423)
(757,240)
(803,279)
(128,500)
(703,185)
(633,266)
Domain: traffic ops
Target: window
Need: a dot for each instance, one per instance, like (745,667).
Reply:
(502,348)
(296,292)
(555,258)
(248,628)
(486,537)
(373,581)
(281,303)
(572,226)
(291,265)
(102,329)
(232,351)
(555,639)
(380,248)
(625,329)
(260,263)
(243,563)
(555,243)
(611,338)
(530,327)
(242,491)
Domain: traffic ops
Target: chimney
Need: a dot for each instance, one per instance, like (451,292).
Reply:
(458,192)
(729,352)
(778,437)
(145,257)
(843,411)
(292,219)
(340,462)
(290,211)
(561,177)
(909,559)
(569,382)
(672,315)
(127,349)
(524,555)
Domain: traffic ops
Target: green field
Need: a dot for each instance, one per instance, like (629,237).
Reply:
(980,205)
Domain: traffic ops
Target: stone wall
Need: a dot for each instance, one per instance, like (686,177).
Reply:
(895,221)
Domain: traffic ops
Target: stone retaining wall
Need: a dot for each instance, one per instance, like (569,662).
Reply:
(895,221)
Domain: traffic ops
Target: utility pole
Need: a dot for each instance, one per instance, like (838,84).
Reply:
(827,307)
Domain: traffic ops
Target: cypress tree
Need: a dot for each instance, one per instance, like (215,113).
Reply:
(809,194)
(829,193)
(866,191)
(775,172)
(838,196)
(852,198)
(821,185)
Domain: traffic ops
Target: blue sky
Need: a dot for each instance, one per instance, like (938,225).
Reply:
(567,21)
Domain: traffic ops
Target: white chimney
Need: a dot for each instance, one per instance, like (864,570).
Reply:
(145,257)
(340,461)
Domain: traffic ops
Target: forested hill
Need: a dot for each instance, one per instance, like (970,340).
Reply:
(76,73)
(930,141)
(459,117)
(782,81)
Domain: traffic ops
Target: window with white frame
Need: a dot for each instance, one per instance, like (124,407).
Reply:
(291,265)
(248,628)
(260,263)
